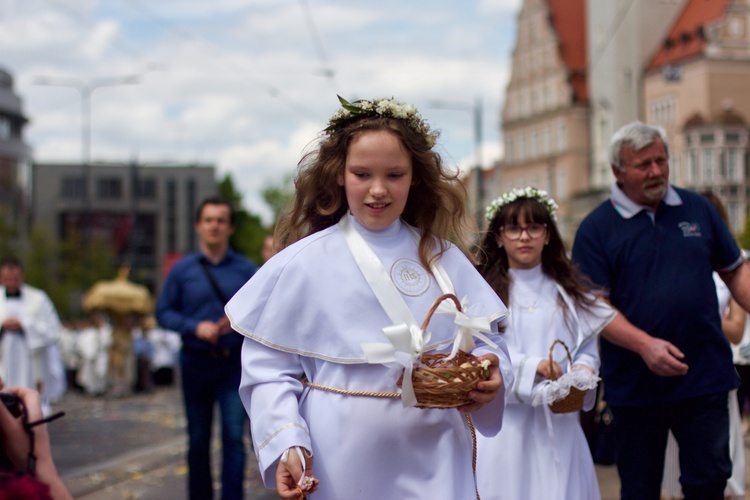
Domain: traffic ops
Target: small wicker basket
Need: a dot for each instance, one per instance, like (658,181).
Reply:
(445,383)
(574,400)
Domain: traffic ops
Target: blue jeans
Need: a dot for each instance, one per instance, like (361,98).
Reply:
(206,380)
(701,428)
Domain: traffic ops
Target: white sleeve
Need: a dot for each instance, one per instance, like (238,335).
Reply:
(44,328)
(270,390)
(488,420)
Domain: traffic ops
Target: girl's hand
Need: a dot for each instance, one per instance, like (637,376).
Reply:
(290,471)
(542,369)
(486,390)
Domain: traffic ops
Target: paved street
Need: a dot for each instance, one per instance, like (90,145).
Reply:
(130,448)
(134,448)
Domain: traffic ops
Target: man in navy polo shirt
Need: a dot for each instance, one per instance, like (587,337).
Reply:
(651,250)
(192,303)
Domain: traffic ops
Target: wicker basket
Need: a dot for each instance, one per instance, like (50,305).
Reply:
(445,383)
(574,400)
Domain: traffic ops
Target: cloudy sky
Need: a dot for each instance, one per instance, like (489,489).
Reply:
(246,85)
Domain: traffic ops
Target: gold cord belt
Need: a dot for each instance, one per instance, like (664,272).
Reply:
(372,394)
(369,394)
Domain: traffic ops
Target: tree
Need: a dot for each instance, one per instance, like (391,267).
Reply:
(249,231)
(744,237)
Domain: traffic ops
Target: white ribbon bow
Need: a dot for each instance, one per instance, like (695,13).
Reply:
(405,350)
(468,328)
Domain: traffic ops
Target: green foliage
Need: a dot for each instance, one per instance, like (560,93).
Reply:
(58,267)
(249,231)
(8,236)
(278,197)
(744,237)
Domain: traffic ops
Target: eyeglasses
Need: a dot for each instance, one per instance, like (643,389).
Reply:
(515,232)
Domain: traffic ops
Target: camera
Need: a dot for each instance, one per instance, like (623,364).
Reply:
(12,403)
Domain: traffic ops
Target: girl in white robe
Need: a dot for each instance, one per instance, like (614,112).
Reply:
(539,454)
(365,249)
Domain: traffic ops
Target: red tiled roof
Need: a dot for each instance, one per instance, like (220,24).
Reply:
(687,37)
(569,21)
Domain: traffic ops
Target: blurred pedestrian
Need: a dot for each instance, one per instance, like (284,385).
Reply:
(652,249)
(733,326)
(94,341)
(192,303)
(166,345)
(29,334)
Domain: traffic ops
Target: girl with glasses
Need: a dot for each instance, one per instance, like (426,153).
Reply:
(538,454)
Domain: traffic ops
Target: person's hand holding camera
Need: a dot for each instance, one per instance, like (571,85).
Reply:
(17,443)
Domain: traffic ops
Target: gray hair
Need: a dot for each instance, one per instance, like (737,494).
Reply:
(636,135)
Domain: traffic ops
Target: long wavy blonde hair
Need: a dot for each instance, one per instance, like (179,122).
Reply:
(436,204)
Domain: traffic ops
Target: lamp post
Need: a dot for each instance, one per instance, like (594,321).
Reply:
(86,90)
(475,111)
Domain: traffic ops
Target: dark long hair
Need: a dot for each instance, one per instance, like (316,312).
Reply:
(492,260)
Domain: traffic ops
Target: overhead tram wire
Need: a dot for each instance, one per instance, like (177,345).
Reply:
(186,35)
(326,68)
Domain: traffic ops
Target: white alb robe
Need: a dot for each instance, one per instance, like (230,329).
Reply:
(305,313)
(529,459)
(31,358)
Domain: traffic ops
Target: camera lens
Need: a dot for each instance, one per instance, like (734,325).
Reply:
(12,403)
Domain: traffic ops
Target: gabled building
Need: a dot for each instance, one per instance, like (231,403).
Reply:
(696,87)
(545,116)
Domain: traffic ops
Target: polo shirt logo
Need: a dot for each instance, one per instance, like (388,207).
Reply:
(690,229)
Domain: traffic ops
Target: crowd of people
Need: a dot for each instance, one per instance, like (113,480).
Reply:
(322,351)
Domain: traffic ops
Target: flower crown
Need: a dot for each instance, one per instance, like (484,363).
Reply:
(389,108)
(518,193)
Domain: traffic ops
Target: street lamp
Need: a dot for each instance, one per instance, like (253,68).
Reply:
(86,90)
(476,112)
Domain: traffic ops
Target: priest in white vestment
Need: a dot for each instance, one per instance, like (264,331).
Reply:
(29,332)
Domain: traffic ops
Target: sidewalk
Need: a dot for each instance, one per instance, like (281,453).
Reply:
(131,448)
(135,447)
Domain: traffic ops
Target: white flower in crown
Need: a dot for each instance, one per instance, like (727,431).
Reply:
(517,193)
(390,108)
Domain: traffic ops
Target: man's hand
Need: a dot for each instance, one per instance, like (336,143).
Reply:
(208,331)
(12,324)
(224,326)
(663,358)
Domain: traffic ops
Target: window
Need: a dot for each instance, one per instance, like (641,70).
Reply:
(534,144)
(732,165)
(562,136)
(145,189)
(73,188)
(509,149)
(546,140)
(693,174)
(109,188)
(5,128)
(707,138)
(708,166)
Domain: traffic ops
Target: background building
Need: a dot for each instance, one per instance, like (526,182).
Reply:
(696,87)
(146,212)
(15,158)
(545,117)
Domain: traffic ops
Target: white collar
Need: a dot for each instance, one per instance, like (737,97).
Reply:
(627,208)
